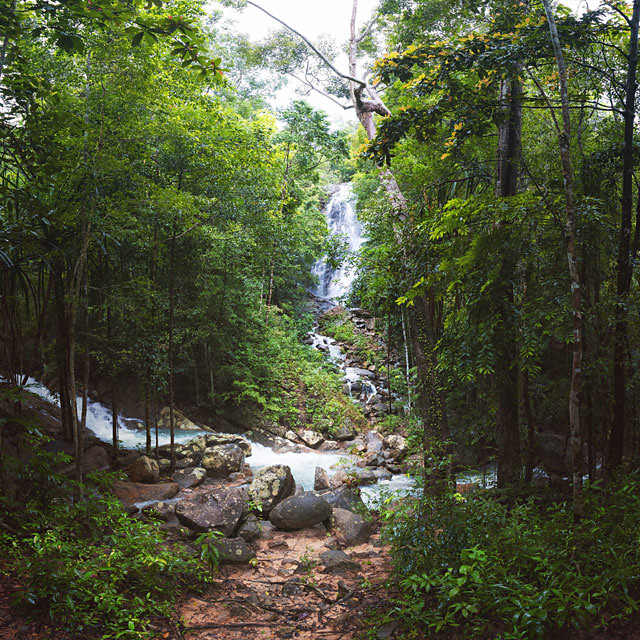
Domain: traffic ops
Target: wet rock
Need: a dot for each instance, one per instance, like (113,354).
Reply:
(374,441)
(130,493)
(298,512)
(383,474)
(366,476)
(95,459)
(271,485)
(219,510)
(339,478)
(144,469)
(161,511)
(180,421)
(215,439)
(329,445)
(321,479)
(344,432)
(234,550)
(350,528)
(189,477)
(396,443)
(345,498)
(250,529)
(337,562)
(221,460)
(311,438)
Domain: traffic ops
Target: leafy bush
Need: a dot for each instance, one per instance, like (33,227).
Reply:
(95,571)
(475,568)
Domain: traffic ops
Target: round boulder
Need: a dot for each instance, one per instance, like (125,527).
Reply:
(270,486)
(300,511)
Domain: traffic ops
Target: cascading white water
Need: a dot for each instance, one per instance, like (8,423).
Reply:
(342,221)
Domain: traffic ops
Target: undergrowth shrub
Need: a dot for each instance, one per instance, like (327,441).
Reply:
(476,568)
(94,571)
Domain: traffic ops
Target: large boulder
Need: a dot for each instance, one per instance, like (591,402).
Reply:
(215,439)
(219,510)
(350,528)
(180,421)
(221,460)
(189,477)
(144,469)
(95,459)
(251,528)
(345,498)
(271,485)
(397,444)
(131,493)
(300,511)
(553,452)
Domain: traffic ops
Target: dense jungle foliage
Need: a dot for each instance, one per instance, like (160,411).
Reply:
(159,222)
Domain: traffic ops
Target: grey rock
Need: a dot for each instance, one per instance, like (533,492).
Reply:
(95,459)
(271,485)
(366,476)
(221,460)
(344,432)
(186,463)
(161,510)
(180,421)
(312,438)
(251,528)
(374,441)
(234,550)
(144,469)
(396,442)
(383,474)
(219,510)
(298,512)
(189,477)
(345,498)
(337,562)
(321,479)
(339,478)
(350,528)
(215,439)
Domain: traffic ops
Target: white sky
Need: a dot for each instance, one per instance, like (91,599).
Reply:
(314,18)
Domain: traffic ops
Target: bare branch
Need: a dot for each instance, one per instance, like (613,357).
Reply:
(311,46)
(312,87)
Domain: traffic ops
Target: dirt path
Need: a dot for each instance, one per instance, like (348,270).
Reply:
(290,594)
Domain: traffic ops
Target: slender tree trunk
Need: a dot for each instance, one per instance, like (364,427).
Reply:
(147,417)
(171,346)
(564,136)
(506,378)
(624,263)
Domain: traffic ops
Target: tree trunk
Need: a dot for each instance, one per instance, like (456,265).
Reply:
(624,263)
(506,375)
(564,136)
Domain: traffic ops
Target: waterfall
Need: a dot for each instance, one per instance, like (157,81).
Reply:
(340,214)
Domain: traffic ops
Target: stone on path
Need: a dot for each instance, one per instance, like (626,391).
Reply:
(270,486)
(219,510)
(300,511)
(350,528)
(144,469)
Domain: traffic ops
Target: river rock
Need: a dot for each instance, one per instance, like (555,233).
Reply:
(337,562)
(271,485)
(219,510)
(321,480)
(190,477)
(312,438)
(396,443)
(299,512)
(356,372)
(345,498)
(131,493)
(339,478)
(221,460)
(186,463)
(95,459)
(366,476)
(374,441)
(344,432)
(350,528)
(144,469)
(180,421)
(383,474)
(215,439)
(161,510)
(234,550)
(251,528)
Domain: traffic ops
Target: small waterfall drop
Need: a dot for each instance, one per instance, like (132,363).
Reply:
(342,221)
